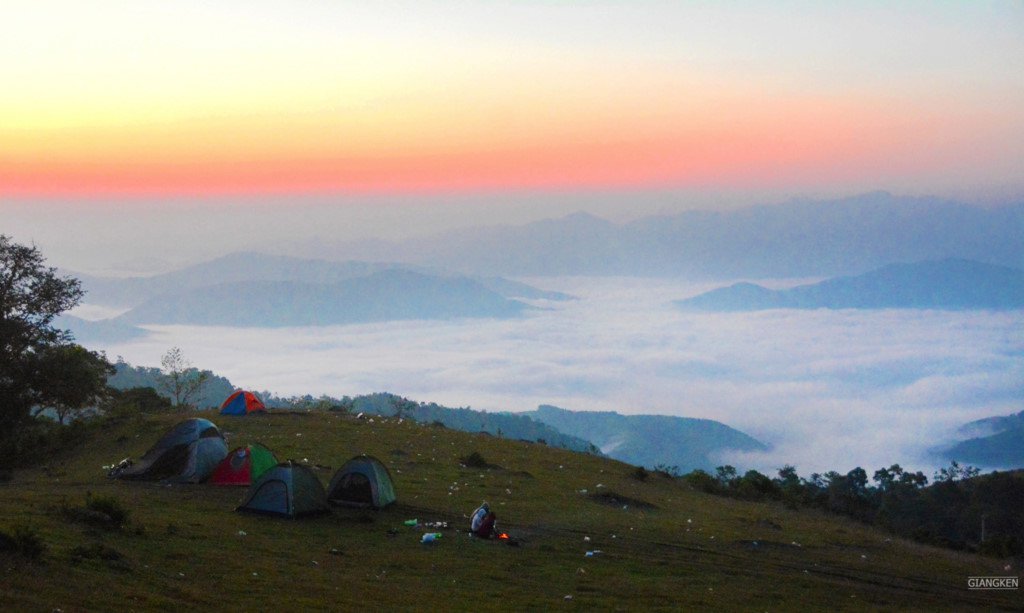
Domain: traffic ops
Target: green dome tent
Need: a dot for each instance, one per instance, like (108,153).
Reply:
(286,490)
(362,482)
(188,453)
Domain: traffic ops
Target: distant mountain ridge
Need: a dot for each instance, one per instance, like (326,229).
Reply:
(950,284)
(382,296)
(796,239)
(247,267)
(1003,448)
(650,440)
(261,290)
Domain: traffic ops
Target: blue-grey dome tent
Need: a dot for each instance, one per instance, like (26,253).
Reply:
(188,453)
(364,482)
(286,490)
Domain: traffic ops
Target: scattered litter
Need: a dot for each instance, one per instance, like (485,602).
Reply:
(613,536)
(507,491)
(586,539)
(796,544)
(335,551)
(567,596)
(242,533)
(254,575)
(411,522)
(430,537)
(360,416)
(599,485)
(315,563)
(183,574)
(689,521)
(298,434)
(593,553)
(583,491)
(863,557)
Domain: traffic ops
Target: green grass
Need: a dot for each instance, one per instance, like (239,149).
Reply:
(672,548)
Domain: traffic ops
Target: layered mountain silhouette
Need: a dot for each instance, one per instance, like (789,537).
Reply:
(382,296)
(951,284)
(797,239)
(109,331)
(247,267)
(260,290)
(998,442)
(651,440)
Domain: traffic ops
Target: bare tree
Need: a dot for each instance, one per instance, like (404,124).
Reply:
(183,382)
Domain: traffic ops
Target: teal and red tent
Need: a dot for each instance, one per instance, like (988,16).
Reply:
(242,403)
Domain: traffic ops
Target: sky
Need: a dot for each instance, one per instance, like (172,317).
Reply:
(140,101)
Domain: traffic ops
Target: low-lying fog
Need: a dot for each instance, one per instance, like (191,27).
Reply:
(829,390)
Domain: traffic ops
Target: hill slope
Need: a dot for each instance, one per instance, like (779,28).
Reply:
(660,545)
(998,442)
(651,440)
(948,284)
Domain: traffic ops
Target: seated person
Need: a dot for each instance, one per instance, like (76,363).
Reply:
(486,528)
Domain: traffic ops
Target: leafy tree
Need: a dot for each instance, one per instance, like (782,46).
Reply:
(183,382)
(136,400)
(726,475)
(755,486)
(31,296)
(955,472)
(75,380)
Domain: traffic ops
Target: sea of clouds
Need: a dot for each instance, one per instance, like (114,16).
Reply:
(828,390)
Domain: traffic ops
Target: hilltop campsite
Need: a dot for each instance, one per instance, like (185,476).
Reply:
(593,533)
(511,306)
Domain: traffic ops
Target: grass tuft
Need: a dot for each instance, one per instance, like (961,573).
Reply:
(22,541)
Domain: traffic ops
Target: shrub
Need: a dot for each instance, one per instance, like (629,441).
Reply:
(670,472)
(99,551)
(109,506)
(702,482)
(105,512)
(474,460)
(640,473)
(23,541)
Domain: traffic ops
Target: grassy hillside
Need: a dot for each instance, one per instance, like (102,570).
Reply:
(663,545)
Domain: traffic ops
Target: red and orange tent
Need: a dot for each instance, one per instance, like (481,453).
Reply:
(242,403)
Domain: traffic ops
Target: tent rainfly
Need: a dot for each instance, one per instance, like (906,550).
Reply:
(286,490)
(364,482)
(243,465)
(242,403)
(188,453)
